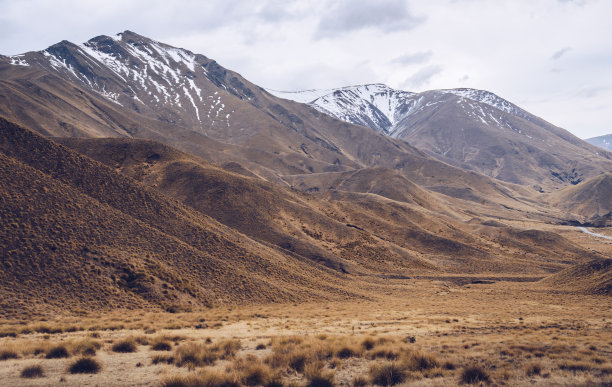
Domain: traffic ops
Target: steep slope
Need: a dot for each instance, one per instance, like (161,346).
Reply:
(473,129)
(604,142)
(590,202)
(76,234)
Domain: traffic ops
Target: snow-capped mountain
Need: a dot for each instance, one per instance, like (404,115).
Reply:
(130,85)
(604,141)
(142,74)
(382,108)
(474,129)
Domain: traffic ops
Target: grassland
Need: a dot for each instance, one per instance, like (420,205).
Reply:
(422,332)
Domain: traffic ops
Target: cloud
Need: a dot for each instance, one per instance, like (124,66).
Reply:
(559,53)
(594,92)
(385,15)
(413,58)
(422,77)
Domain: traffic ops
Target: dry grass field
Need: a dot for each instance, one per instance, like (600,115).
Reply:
(422,332)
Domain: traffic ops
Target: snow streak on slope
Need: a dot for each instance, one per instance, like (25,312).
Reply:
(383,108)
(141,74)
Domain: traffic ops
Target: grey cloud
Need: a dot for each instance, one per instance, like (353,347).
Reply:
(558,54)
(385,15)
(413,58)
(422,77)
(593,92)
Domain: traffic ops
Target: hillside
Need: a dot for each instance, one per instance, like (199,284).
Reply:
(78,235)
(589,202)
(593,277)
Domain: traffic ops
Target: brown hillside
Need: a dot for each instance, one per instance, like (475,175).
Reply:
(593,277)
(360,233)
(76,234)
(590,201)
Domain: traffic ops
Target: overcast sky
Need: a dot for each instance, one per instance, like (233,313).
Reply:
(551,57)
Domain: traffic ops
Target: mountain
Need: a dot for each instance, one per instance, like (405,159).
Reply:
(159,179)
(472,129)
(119,86)
(604,142)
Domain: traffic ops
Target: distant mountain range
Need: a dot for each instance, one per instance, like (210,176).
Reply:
(604,142)
(472,129)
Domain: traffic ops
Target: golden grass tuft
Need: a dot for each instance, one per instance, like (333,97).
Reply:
(387,374)
(204,378)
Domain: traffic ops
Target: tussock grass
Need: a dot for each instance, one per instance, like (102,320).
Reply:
(32,371)
(6,354)
(575,366)
(57,352)
(387,374)
(124,346)
(474,374)
(195,355)
(418,361)
(203,378)
(85,365)
(165,359)
(161,345)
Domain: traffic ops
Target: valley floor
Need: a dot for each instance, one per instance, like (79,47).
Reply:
(422,332)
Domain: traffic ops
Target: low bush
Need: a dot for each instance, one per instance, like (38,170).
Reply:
(33,371)
(85,365)
(57,352)
(474,374)
(7,354)
(387,374)
(161,346)
(124,346)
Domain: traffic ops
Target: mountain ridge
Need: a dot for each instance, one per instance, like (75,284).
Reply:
(473,129)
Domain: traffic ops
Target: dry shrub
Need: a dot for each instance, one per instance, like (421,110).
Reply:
(227,348)
(359,381)
(57,352)
(474,374)
(324,379)
(204,378)
(86,347)
(194,355)
(6,354)
(297,361)
(124,346)
(387,374)
(85,365)
(161,345)
(166,359)
(388,352)
(368,343)
(418,361)
(347,351)
(33,371)
(575,366)
(533,369)
(255,374)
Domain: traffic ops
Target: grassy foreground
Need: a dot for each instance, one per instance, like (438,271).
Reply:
(424,333)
